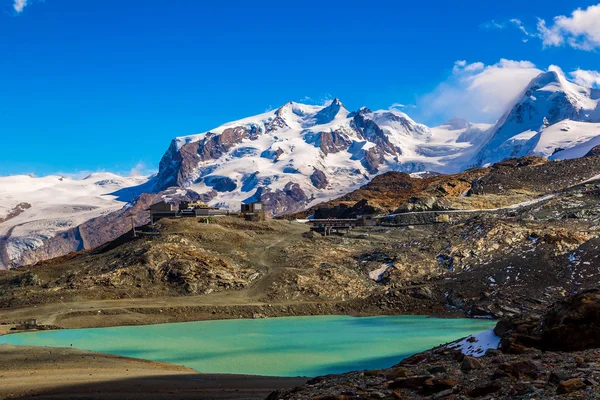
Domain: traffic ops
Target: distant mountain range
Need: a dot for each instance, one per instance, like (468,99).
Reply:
(300,155)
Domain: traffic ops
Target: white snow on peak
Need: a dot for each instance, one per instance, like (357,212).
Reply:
(57,204)
(548,100)
(532,125)
(567,139)
(254,164)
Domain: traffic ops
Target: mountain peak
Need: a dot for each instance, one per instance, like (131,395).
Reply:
(330,112)
(281,110)
(547,78)
(337,102)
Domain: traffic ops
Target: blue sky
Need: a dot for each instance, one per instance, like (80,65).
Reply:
(105,85)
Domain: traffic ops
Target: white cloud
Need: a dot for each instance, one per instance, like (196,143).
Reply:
(586,78)
(550,37)
(76,175)
(461,65)
(511,22)
(493,25)
(581,30)
(477,92)
(19,5)
(323,100)
(141,169)
(400,106)
(520,26)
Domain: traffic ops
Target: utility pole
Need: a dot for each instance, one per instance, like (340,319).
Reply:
(133,227)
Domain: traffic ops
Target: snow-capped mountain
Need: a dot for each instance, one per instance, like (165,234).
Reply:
(301,154)
(297,156)
(35,209)
(538,121)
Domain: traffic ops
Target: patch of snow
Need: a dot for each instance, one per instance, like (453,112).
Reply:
(376,273)
(476,345)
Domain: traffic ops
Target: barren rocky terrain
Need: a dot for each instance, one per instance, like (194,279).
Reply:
(491,263)
(517,247)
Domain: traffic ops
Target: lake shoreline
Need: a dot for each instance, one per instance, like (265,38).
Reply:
(288,347)
(109,368)
(111,313)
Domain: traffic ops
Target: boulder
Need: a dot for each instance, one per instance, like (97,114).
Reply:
(574,324)
(595,151)
(397,373)
(431,386)
(521,369)
(484,390)
(437,370)
(412,382)
(558,376)
(570,385)
(469,364)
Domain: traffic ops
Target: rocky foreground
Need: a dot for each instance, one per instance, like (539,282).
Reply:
(553,356)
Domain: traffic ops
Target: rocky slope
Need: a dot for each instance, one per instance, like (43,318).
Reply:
(502,184)
(483,263)
(543,357)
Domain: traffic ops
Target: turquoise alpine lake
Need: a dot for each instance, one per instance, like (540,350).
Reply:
(289,346)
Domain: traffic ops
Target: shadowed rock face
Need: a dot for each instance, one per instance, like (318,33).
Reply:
(574,324)
(593,152)
(371,131)
(18,209)
(179,167)
(569,325)
(318,179)
(344,211)
(221,183)
(372,159)
(333,142)
(291,199)
(214,146)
